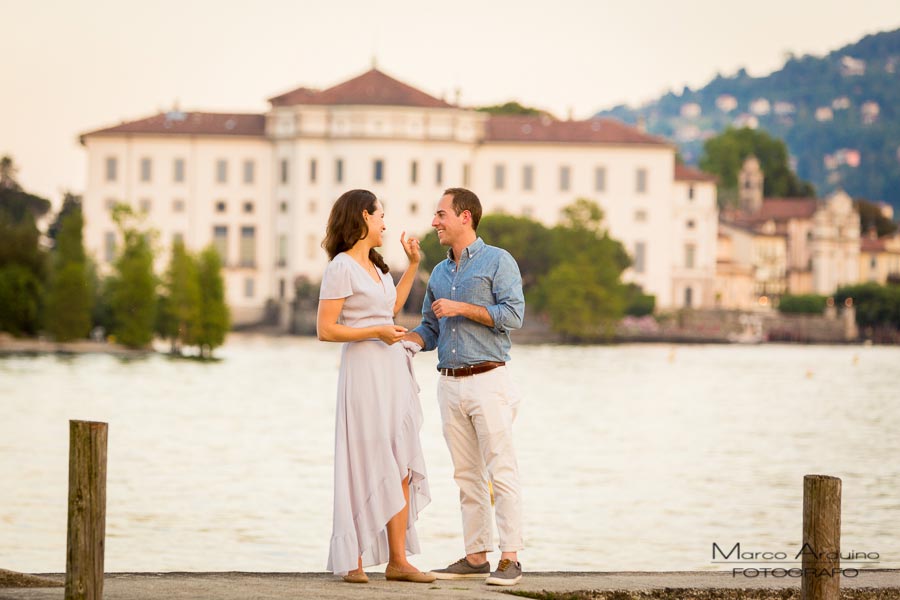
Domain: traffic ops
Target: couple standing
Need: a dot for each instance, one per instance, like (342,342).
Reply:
(474,298)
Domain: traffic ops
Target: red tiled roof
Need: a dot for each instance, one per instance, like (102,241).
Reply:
(783,209)
(867,244)
(507,128)
(371,88)
(686,173)
(190,123)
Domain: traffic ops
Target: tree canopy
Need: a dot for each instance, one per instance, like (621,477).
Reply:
(724,155)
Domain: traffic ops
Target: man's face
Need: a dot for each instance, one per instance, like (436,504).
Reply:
(448,225)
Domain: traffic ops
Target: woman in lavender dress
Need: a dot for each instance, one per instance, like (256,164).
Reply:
(380,483)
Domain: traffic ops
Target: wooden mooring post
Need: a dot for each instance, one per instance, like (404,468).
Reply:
(87,510)
(821,538)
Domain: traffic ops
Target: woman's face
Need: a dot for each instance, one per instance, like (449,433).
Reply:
(375,222)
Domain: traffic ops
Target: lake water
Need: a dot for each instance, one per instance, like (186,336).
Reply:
(635,457)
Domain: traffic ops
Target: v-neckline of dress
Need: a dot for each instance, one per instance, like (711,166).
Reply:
(368,276)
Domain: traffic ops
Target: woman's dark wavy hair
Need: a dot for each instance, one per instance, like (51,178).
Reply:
(346,225)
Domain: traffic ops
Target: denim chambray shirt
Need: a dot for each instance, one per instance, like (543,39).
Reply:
(489,277)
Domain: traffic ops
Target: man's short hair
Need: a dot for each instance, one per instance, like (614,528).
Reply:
(464,199)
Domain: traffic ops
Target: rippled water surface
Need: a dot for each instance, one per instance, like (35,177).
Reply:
(632,457)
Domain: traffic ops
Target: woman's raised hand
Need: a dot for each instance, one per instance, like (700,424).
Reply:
(391,334)
(411,247)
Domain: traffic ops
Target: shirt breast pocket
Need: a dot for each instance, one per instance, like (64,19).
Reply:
(478,291)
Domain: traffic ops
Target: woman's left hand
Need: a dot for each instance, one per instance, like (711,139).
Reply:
(411,247)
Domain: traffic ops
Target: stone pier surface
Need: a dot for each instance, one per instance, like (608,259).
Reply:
(870,584)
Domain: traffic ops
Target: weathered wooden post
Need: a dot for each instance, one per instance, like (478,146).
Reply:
(87,510)
(821,538)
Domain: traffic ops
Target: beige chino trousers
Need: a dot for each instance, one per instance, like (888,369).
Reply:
(477,413)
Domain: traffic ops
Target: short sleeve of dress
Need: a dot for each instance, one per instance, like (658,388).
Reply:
(336,280)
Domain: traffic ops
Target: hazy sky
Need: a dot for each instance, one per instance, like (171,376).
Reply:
(72,66)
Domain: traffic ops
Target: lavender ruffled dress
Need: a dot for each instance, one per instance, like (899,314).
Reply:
(377,427)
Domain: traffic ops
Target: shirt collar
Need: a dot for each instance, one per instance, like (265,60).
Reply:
(470,250)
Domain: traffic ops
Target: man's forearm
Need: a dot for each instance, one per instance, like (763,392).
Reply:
(479,314)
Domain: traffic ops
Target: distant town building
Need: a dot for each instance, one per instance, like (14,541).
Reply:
(760,107)
(869,112)
(746,120)
(819,238)
(691,110)
(783,108)
(879,258)
(841,103)
(852,67)
(824,114)
(726,103)
(259,187)
(849,157)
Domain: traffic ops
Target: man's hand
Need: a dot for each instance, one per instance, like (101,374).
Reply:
(448,308)
(451,308)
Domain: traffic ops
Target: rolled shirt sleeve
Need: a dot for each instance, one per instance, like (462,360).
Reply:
(509,311)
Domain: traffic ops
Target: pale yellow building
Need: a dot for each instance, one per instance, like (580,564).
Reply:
(879,259)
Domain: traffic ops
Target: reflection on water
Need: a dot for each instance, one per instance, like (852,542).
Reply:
(632,457)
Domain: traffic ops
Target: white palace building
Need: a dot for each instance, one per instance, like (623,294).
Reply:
(260,186)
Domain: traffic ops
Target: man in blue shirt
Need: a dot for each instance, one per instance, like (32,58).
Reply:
(473,300)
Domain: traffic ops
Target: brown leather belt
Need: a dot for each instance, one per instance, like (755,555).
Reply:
(471,369)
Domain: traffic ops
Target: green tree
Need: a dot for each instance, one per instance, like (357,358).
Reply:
(70,296)
(871,217)
(132,288)
(512,108)
(22,260)
(724,155)
(179,308)
(214,318)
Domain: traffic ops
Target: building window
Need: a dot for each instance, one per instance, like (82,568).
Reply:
(641,181)
(312,170)
(220,206)
(414,172)
(640,253)
(146,205)
(528,177)
(690,251)
(220,242)
(248,207)
(109,246)
(312,207)
(146,170)
(600,179)
(249,171)
(112,168)
(178,170)
(248,246)
(688,297)
(282,250)
(248,287)
(565,176)
(378,170)
(466,173)
(178,205)
(177,238)
(339,170)
(221,171)
(284,170)
(690,192)
(439,173)
(640,216)
(283,206)
(691,224)
(281,288)
(499,177)
(413,208)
